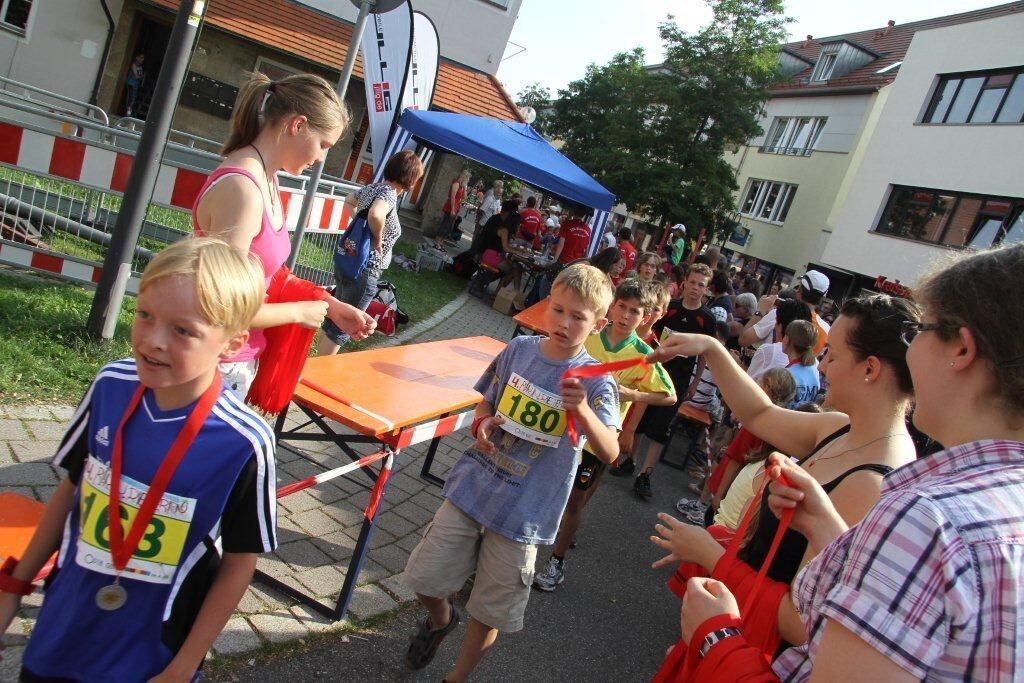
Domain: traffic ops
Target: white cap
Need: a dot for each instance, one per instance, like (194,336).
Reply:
(815,281)
(679,226)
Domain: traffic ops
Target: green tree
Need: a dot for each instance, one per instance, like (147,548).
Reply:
(656,135)
(539,97)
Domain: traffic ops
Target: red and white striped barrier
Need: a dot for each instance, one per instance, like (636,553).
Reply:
(67,267)
(433,430)
(102,167)
(308,482)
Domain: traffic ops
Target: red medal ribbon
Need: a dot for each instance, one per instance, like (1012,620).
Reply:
(595,370)
(122,549)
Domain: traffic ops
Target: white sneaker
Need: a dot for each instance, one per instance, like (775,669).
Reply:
(550,577)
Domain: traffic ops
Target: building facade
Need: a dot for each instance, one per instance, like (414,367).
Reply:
(795,179)
(942,171)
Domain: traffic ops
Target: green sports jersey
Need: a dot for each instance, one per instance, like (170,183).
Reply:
(638,378)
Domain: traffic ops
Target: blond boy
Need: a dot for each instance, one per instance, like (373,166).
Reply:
(505,495)
(139,608)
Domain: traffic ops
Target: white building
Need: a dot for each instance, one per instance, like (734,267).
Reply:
(796,178)
(943,170)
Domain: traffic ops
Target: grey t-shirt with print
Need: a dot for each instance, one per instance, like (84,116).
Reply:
(520,492)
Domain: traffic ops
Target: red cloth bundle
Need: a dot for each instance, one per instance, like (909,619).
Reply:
(758,597)
(282,360)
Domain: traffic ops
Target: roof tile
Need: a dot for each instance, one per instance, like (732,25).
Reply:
(318,38)
(892,44)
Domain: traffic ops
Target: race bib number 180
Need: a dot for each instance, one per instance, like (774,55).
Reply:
(531,413)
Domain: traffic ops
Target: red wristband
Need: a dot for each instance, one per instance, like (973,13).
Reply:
(9,584)
(476,424)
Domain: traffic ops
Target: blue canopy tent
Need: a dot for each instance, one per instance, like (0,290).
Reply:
(512,148)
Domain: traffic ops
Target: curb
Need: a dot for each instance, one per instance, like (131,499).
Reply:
(424,326)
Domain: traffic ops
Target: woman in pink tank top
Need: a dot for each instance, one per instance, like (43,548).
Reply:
(284,125)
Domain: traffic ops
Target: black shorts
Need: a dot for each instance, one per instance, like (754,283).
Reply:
(588,472)
(656,422)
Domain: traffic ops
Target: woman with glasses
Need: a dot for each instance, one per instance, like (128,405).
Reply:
(930,584)
(847,450)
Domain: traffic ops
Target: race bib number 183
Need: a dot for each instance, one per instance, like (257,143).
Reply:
(531,413)
(160,548)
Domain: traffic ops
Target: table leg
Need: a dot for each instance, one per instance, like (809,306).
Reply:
(429,460)
(355,565)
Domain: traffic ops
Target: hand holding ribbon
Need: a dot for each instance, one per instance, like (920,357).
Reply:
(595,370)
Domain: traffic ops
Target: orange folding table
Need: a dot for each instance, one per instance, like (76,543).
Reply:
(395,397)
(532,318)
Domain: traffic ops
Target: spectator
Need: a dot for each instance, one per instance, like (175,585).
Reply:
(573,237)
(380,200)
(490,204)
(774,355)
(493,242)
(531,224)
(609,261)
(926,586)
(812,287)
(848,451)
(720,297)
(133,82)
(450,211)
(625,243)
(679,245)
(675,280)
(715,255)
(648,264)
(798,343)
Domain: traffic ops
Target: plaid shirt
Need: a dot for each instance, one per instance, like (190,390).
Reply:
(933,576)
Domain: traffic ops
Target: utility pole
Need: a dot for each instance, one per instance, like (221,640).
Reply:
(342,88)
(117,265)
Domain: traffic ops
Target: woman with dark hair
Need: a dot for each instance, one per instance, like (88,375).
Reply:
(847,451)
(380,200)
(928,585)
(610,262)
(493,242)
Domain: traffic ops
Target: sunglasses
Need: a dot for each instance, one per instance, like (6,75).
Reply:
(912,328)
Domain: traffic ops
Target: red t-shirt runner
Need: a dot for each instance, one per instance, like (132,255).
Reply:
(628,252)
(577,238)
(530,222)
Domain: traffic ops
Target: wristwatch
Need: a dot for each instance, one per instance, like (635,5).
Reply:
(716,636)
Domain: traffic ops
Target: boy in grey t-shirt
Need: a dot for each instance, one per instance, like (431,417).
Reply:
(506,494)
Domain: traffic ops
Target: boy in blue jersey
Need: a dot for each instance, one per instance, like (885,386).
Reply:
(161,444)
(634,302)
(505,495)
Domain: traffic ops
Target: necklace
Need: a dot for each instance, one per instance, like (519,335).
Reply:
(850,450)
(266,174)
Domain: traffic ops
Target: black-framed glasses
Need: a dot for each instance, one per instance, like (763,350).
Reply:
(911,328)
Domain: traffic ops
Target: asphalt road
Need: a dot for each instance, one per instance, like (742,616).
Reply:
(612,619)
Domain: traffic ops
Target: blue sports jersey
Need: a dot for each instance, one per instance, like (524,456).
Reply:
(220,499)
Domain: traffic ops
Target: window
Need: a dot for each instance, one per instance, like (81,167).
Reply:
(768,201)
(952,219)
(791,135)
(14,14)
(979,97)
(826,63)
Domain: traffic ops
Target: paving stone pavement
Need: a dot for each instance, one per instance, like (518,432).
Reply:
(317,528)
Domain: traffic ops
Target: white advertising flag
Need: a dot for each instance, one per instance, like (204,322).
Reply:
(386,49)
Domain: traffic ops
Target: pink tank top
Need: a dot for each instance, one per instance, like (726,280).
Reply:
(271,246)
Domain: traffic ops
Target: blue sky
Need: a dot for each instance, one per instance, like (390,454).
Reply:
(562,37)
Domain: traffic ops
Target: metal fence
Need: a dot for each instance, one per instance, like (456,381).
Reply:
(52,215)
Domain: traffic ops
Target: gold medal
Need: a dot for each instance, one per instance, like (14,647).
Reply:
(112,597)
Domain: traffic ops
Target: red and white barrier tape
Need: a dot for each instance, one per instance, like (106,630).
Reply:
(432,430)
(306,483)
